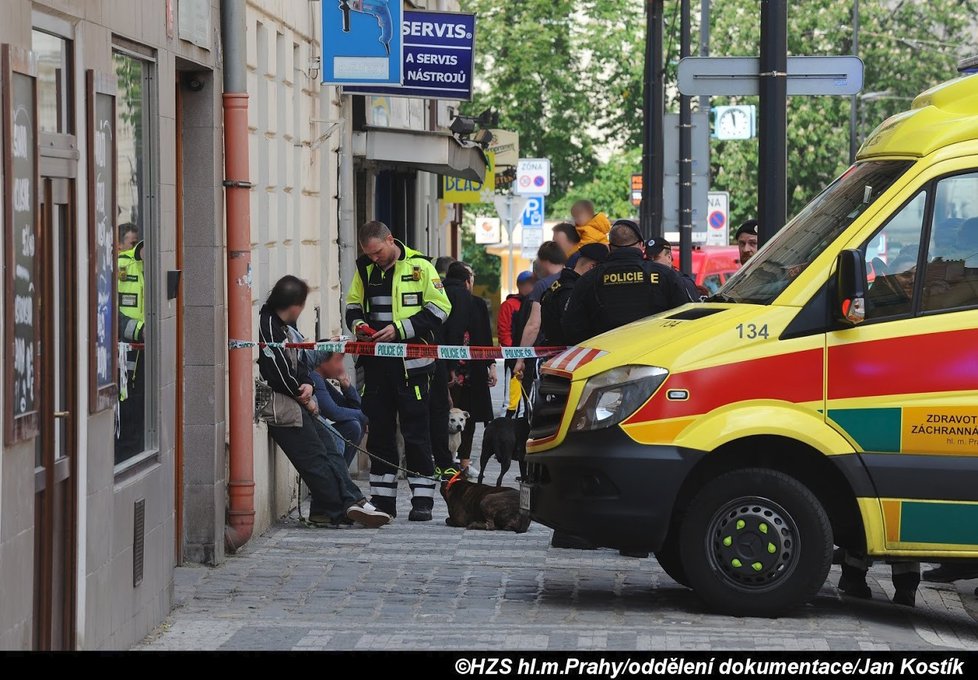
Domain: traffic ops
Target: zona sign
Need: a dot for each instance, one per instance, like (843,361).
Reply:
(533,177)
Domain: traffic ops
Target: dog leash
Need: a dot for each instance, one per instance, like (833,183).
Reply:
(410,473)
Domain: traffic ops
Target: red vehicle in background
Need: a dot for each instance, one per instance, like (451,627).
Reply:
(712,265)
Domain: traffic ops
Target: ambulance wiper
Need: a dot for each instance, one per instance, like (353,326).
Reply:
(720,297)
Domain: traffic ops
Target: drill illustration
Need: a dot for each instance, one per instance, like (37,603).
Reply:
(376,8)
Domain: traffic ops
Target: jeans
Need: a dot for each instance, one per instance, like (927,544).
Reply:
(348,430)
(320,466)
(327,435)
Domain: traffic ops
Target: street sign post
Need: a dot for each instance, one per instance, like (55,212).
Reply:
(438,57)
(533,177)
(533,213)
(510,207)
(532,221)
(740,76)
(361,43)
(718,218)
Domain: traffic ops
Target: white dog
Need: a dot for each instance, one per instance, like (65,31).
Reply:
(456,423)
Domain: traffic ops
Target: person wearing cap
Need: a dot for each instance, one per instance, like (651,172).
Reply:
(660,250)
(624,288)
(554,300)
(747,240)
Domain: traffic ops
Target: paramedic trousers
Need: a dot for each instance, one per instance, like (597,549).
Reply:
(391,398)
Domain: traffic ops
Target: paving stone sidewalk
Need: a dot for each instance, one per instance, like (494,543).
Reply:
(411,586)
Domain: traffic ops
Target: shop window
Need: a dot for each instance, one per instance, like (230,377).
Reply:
(54,111)
(136,244)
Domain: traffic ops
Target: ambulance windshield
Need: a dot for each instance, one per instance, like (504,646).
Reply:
(807,236)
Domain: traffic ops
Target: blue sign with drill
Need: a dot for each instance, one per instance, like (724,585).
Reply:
(360,43)
(438,49)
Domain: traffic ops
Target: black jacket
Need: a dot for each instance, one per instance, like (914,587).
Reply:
(553,304)
(624,288)
(278,366)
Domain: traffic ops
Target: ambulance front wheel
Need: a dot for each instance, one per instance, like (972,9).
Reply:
(755,542)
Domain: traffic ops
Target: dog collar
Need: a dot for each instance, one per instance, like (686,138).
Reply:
(455,478)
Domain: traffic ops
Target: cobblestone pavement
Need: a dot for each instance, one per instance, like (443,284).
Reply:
(429,586)
(412,586)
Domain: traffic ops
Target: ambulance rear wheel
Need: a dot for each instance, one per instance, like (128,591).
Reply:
(755,542)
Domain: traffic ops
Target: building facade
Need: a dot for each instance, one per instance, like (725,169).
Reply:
(115,407)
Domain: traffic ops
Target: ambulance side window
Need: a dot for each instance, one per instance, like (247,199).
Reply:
(951,273)
(891,261)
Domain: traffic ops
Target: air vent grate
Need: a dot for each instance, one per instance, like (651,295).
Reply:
(138,541)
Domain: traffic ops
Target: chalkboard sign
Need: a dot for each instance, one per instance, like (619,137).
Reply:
(103,357)
(22,324)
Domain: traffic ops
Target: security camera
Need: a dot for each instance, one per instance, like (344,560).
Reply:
(195,83)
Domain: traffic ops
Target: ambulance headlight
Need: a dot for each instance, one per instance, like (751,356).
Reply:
(610,397)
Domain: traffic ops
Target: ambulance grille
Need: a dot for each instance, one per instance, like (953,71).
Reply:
(548,410)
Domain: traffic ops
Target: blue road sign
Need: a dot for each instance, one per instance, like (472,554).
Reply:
(533,212)
(438,49)
(361,45)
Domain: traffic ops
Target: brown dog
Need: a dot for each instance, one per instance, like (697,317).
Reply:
(480,506)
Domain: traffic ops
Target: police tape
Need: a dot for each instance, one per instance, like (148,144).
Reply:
(395,350)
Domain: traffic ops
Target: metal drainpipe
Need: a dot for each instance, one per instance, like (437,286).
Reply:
(241,466)
(347,228)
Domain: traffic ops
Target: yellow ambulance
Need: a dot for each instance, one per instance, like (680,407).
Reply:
(826,395)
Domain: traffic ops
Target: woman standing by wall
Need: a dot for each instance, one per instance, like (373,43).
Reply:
(468,324)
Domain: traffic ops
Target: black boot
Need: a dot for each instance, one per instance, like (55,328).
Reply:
(420,510)
(949,572)
(562,539)
(853,583)
(385,504)
(906,588)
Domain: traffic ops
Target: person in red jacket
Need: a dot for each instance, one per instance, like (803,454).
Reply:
(509,312)
(511,305)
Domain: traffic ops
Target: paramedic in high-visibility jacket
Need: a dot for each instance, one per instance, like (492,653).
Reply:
(130,439)
(396,296)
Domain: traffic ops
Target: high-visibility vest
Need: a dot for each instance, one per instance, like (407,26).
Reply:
(132,313)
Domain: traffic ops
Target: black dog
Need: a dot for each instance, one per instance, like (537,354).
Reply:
(504,438)
(479,506)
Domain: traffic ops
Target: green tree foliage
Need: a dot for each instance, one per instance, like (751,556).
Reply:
(528,61)
(907,47)
(568,77)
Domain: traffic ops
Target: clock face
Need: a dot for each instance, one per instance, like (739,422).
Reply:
(733,122)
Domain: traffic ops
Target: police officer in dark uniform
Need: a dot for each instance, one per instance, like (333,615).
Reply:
(660,250)
(624,288)
(555,299)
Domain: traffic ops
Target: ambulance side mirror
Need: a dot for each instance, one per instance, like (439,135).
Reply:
(850,288)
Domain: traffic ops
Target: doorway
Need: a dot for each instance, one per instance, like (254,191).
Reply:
(55,501)
(54,458)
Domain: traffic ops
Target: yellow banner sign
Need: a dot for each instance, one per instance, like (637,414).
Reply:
(458,190)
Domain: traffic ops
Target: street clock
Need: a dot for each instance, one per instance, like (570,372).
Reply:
(733,122)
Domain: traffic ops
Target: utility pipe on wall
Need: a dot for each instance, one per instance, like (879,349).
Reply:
(241,465)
